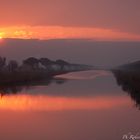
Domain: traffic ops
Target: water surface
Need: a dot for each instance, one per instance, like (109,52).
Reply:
(77,106)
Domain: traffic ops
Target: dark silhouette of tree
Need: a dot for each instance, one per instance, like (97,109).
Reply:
(2,62)
(31,61)
(12,65)
(33,69)
(61,63)
(45,61)
(130,83)
(131,66)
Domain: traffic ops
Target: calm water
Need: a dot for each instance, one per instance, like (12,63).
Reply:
(76,106)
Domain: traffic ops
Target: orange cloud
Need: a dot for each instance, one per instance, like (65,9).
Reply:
(59,32)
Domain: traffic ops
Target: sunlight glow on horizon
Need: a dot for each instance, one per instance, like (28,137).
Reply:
(1,35)
(58,32)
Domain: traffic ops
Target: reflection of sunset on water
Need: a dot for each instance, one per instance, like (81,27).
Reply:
(48,103)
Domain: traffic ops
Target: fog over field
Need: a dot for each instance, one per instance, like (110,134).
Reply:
(99,53)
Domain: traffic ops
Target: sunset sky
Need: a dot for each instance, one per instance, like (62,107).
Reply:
(51,19)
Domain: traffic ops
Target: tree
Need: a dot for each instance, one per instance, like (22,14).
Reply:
(31,61)
(2,62)
(12,65)
(61,63)
(45,61)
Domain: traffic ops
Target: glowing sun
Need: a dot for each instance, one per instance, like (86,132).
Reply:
(1,39)
(1,35)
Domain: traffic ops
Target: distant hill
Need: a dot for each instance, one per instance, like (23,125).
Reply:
(133,66)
